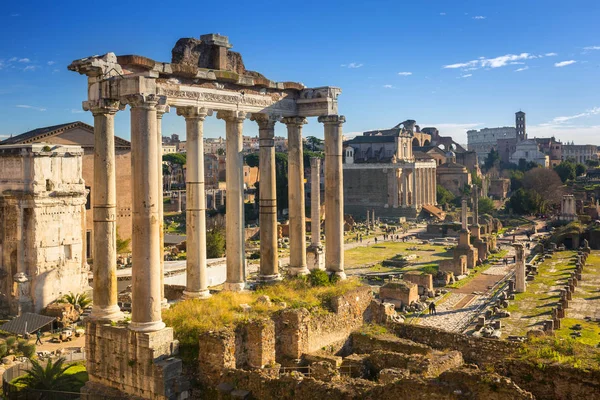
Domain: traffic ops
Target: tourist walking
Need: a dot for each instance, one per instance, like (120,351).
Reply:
(38,335)
(432,308)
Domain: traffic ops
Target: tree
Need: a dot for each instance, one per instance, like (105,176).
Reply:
(592,163)
(565,170)
(522,202)
(252,160)
(220,151)
(80,300)
(546,185)
(486,205)
(475,180)
(52,377)
(314,143)
(492,160)
(175,158)
(281,180)
(443,195)
(215,243)
(122,244)
(580,169)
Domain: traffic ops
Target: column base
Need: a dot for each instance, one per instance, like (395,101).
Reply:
(340,274)
(269,278)
(315,258)
(164,304)
(109,313)
(201,294)
(147,326)
(296,271)
(234,286)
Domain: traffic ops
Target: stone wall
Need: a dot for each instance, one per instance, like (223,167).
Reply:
(480,351)
(141,364)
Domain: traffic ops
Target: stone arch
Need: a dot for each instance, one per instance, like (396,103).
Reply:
(415,142)
(426,143)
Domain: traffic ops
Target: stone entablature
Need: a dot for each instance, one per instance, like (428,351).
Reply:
(42,221)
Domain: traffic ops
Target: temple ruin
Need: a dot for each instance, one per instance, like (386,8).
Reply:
(204,76)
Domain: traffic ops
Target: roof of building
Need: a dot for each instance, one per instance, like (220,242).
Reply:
(434,211)
(419,155)
(371,139)
(26,323)
(451,165)
(48,131)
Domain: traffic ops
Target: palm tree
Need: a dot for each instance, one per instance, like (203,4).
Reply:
(81,300)
(52,377)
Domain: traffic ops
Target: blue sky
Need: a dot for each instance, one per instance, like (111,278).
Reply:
(456,65)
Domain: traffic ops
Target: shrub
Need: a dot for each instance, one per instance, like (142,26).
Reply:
(10,342)
(318,277)
(3,349)
(28,350)
(254,255)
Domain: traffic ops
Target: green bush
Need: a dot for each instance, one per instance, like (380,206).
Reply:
(3,349)
(10,342)
(28,350)
(318,277)
(254,255)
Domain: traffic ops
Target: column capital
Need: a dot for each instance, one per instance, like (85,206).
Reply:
(265,121)
(103,106)
(332,119)
(147,101)
(194,112)
(294,120)
(162,107)
(232,116)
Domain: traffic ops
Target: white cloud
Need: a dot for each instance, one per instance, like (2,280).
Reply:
(592,48)
(466,76)
(51,62)
(352,65)
(585,134)
(404,73)
(458,131)
(15,15)
(30,68)
(75,111)
(561,120)
(30,107)
(388,86)
(13,59)
(479,17)
(564,63)
(525,68)
(550,54)
(24,60)
(496,62)
(442,13)
(516,63)
(55,70)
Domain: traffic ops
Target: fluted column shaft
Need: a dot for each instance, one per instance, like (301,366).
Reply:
(104,200)
(146,274)
(334,195)
(195,211)
(269,259)
(296,195)
(161,109)
(234,175)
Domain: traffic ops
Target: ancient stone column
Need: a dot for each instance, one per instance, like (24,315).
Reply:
(161,109)
(367,218)
(314,254)
(234,176)
(296,195)
(434,183)
(405,188)
(315,201)
(475,227)
(520,278)
(146,274)
(104,200)
(269,259)
(195,210)
(463,214)
(334,195)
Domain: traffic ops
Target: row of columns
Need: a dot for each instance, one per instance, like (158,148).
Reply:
(147,212)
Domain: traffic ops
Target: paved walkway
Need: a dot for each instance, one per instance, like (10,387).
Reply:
(463,304)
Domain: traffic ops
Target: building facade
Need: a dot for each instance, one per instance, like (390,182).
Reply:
(579,152)
(528,150)
(381,174)
(42,225)
(81,134)
(482,141)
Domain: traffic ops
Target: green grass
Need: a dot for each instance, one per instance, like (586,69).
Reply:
(191,317)
(474,272)
(77,369)
(360,256)
(551,349)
